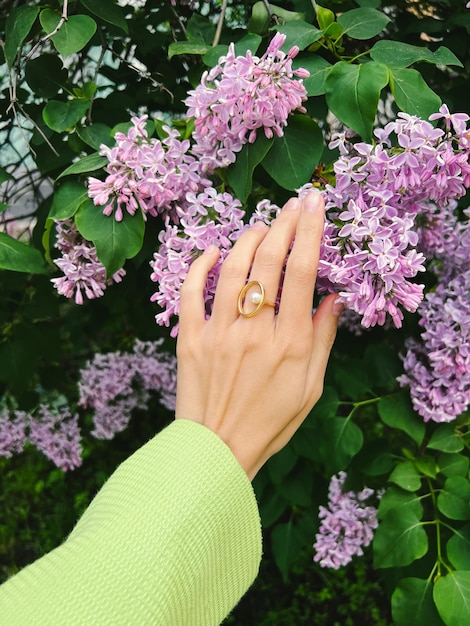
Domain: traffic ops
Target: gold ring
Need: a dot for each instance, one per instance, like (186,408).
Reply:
(258,298)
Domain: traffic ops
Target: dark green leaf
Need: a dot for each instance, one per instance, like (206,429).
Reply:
(406,476)
(325,17)
(20,257)
(412,94)
(115,241)
(66,200)
(285,15)
(96,135)
(286,546)
(400,539)
(398,54)
(397,411)
(271,508)
(248,42)
(452,598)
(343,440)
(46,75)
(281,464)
(444,56)
(17,27)
(395,499)
(297,486)
(73,35)
(412,603)
(187,47)
(318,68)
(427,466)
(299,34)
(240,174)
(260,18)
(108,11)
(326,407)
(353,92)
(458,548)
(445,439)
(294,156)
(454,500)
(61,116)
(200,29)
(451,464)
(90,163)
(363,23)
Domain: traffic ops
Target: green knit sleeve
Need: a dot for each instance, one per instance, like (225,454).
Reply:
(172,539)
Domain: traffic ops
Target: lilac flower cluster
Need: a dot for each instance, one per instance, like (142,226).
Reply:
(206,218)
(145,173)
(370,251)
(347,525)
(83,273)
(115,384)
(54,432)
(240,95)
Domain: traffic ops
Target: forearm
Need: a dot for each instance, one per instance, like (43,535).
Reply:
(172,538)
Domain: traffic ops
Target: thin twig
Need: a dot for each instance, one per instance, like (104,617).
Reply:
(63,19)
(220,24)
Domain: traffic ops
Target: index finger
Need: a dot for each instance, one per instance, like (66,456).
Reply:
(302,265)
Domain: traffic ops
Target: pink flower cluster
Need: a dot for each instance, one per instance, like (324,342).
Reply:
(83,272)
(52,431)
(206,218)
(145,173)
(382,193)
(115,384)
(347,525)
(240,95)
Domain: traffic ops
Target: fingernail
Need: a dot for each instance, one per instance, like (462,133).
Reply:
(312,201)
(259,226)
(210,249)
(338,306)
(293,204)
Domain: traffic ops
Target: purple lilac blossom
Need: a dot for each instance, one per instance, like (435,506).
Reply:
(116,383)
(240,95)
(437,369)
(13,431)
(55,432)
(347,525)
(83,272)
(145,173)
(206,218)
(370,249)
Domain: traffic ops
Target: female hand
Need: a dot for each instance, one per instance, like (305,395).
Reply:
(253,380)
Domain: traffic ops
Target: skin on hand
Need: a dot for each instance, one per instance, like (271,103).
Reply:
(253,381)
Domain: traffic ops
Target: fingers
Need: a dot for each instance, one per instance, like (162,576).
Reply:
(234,272)
(324,325)
(301,270)
(192,307)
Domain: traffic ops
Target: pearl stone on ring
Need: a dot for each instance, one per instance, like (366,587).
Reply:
(258,298)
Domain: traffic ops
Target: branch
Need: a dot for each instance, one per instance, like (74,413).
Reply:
(63,19)
(220,23)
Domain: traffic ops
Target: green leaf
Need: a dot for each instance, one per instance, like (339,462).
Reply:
(96,135)
(187,47)
(326,407)
(294,156)
(399,540)
(240,174)
(66,200)
(4,176)
(108,11)
(20,257)
(260,18)
(412,94)
(89,163)
(452,598)
(342,440)
(397,411)
(74,34)
(60,116)
(318,68)
(199,29)
(285,15)
(363,23)
(297,486)
(271,508)
(406,476)
(46,75)
(353,92)
(398,54)
(451,464)
(248,42)
(281,463)
(445,439)
(17,27)
(454,500)
(115,241)
(427,466)
(325,17)
(299,34)
(286,546)
(395,499)
(412,603)
(458,548)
